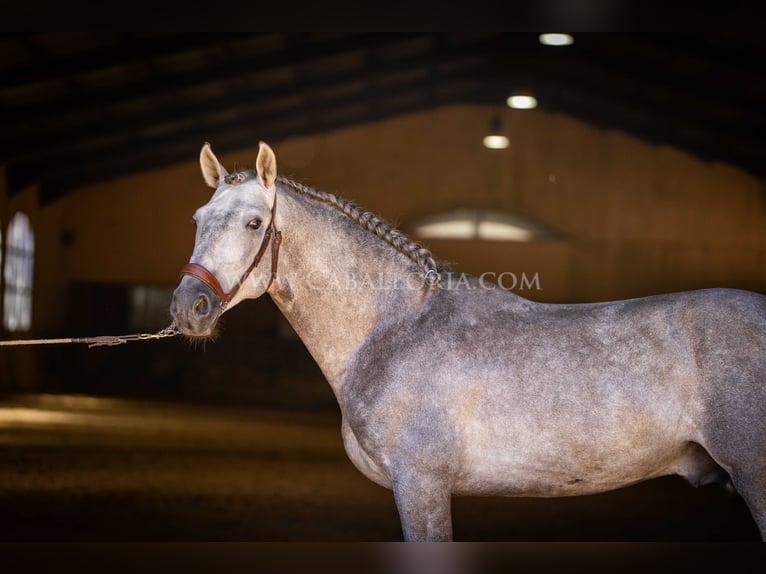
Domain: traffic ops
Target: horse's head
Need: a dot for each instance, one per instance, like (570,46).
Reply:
(234,230)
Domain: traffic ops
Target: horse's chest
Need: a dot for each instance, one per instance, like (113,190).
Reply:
(361,459)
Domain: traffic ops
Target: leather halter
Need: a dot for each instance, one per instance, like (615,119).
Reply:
(199,272)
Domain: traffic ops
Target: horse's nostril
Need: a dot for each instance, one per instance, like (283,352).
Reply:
(202,306)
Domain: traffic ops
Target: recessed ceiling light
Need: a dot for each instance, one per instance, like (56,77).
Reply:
(496,142)
(520,102)
(556,39)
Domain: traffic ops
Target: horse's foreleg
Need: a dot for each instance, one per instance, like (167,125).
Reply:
(423,500)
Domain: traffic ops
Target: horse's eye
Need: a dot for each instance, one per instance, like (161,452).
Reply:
(194,222)
(254,223)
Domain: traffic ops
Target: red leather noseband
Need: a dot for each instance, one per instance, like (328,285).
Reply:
(199,272)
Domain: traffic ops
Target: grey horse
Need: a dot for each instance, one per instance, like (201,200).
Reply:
(458,387)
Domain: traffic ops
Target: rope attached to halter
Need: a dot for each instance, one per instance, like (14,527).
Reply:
(102,341)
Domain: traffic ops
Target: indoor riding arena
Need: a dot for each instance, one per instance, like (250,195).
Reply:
(565,169)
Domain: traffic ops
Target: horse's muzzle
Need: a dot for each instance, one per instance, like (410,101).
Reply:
(195,308)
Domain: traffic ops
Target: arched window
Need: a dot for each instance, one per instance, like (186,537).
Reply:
(18,269)
(480,224)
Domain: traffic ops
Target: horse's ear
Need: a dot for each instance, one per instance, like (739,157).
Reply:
(266,164)
(212,170)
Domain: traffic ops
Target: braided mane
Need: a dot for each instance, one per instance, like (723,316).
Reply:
(376,226)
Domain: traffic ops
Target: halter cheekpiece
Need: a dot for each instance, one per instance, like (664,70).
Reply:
(199,272)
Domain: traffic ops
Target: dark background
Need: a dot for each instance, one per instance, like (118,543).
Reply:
(239,439)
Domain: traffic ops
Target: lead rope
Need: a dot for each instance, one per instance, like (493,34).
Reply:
(102,341)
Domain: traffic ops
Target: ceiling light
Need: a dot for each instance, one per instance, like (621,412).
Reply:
(556,39)
(519,102)
(495,139)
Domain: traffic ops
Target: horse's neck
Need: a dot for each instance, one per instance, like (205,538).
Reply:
(336,283)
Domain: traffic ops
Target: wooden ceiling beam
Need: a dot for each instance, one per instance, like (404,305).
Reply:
(73,164)
(42,144)
(16,120)
(129,48)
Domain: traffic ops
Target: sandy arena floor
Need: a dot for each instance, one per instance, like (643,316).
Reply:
(79,468)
